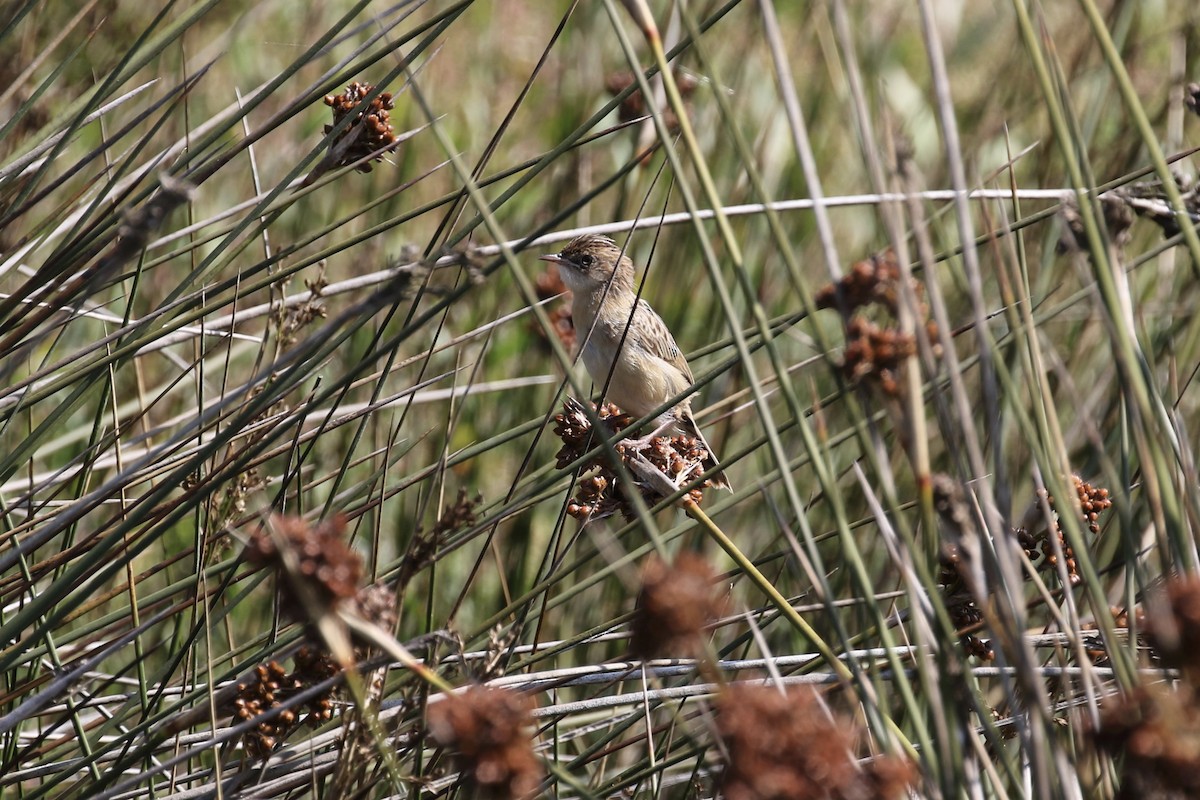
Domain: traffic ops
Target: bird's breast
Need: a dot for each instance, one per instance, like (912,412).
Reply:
(639,383)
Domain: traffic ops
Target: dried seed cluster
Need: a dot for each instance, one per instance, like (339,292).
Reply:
(1173,626)
(549,284)
(424,544)
(1118,221)
(599,493)
(634,106)
(960,602)
(325,563)
(575,431)
(872,280)
(873,351)
(319,566)
(786,747)
(489,732)
(271,687)
(1157,730)
(289,321)
(371,131)
(460,515)
(1096,649)
(1092,502)
(1120,207)
(377,604)
(953,568)
(328,568)
(876,353)
(676,604)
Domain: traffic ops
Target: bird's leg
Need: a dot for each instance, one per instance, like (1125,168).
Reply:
(643,442)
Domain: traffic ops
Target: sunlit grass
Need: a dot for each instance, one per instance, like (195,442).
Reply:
(204,321)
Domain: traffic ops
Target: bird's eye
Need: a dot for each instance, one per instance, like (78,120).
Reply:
(585,261)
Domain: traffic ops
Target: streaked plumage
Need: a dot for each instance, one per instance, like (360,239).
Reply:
(650,368)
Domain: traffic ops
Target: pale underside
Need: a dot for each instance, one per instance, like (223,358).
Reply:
(652,369)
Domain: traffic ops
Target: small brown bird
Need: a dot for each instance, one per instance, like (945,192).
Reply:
(647,369)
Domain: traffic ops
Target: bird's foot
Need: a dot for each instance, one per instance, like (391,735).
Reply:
(643,442)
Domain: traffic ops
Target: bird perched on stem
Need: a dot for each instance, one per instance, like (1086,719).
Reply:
(626,345)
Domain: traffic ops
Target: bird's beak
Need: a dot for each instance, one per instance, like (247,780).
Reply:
(553,258)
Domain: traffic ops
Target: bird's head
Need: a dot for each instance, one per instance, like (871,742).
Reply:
(590,261)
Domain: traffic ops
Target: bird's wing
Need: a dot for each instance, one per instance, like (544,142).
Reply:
(655,338)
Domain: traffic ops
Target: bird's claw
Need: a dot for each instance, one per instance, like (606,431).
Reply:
(642,442)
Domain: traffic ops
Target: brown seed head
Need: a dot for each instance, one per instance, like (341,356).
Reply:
(550,284)
(786,747)
(1173,620)
(1157,730)
(488,729)
(371,130)
(600,493)
(873,280)
(876,353)
(677,603)
(271,687)
(377,604)
(325,564)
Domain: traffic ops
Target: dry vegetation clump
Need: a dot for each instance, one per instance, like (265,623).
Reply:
(265,698)
(1154,730)
(785,746)
(954,576)
(371,132)
(676,604)
(1092,502)
(1118,216)
(874,280)
(1121,207)
(315,561)
(1123,620)
(549,284)
(678,458)
(320,572)
(875,351)
(1173,626)
(962,602)
(423,544)
(211,323)
(488,730)
(318,565)
(376,604)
